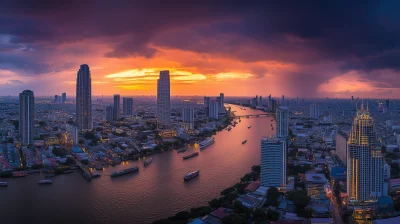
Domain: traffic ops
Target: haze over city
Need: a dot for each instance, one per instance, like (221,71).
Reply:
(307,49)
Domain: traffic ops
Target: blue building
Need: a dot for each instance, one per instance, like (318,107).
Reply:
(338,173)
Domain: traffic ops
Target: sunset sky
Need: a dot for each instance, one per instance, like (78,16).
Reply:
(315,49)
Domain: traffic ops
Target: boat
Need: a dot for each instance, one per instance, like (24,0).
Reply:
(240,120)
(182,150)
(125,171)
(191,155)
(229,128)
(208,141)
(3,184)
(67,171)
(244,141)
(45,182)
(191,175)
(99,167)
(249,126)
(148,161)
(50,176)
(94,175)
(19,174)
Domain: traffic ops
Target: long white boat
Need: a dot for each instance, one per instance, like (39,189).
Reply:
(3,184)
(45,182)
(206,142)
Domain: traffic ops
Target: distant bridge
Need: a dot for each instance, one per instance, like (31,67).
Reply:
(254,115)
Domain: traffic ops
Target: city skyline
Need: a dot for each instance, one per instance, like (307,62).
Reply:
(321,58)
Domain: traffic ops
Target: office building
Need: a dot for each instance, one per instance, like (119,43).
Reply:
(56,98)
(63,97)
(315,185)
(127,106)
(387,103)
(386,170)
(163,99)
(207,105)
(283,100)
(273,162)
(261,102)
(214,109)
(84,99)
(342,146)
(364,160)
(117,107)
(222,100)
(273,106)
(188,118)
(109,113)
(73,133)
(26,116)
(269,101)
(282,122)
(314,111)
(253,102)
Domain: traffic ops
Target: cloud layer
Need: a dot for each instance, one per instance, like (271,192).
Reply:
(305,49)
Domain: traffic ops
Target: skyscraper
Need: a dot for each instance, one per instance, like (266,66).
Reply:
(273,162)
(342,146)
(188,118)
(214,109)
(261,101)
(282,122)
(127,106)
(163,99)
(314,111)
(222,100)
(364,160)
(109,113)
(63,97)
(207,105)
(283,100)
(26,116)
(117,107)
(56,98)
(84,99)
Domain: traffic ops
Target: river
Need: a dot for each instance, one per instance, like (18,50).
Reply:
(156,191)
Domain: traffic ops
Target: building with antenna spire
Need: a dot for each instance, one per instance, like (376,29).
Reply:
(364,159)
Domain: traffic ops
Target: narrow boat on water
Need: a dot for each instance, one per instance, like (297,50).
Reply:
(208,141)
(148,161)
(3,184)
(94,175)
(191,175)
(67,171)
(244,142)
(182,150)
(125,171)
(99,167)
(191,155)
(45,182)
(50,176)
(249,127)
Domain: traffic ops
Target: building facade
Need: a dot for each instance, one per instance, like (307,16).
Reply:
(84,99)
(163,99)
(273,162)
(26,116)
(109,113)
(63,97)
(207,101)
(73,133)
(222,100)
(342,146)
(282,122)
(314,111)
(188,118)
(117,107)
(214,109)
(127,106)
(364,160)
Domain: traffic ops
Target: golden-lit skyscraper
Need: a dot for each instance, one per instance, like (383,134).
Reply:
(364,159)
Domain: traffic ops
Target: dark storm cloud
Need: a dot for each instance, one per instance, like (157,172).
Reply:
(362,35)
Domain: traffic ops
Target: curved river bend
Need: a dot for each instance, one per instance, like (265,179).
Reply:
(156,191)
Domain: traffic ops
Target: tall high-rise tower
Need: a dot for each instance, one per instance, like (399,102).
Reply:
(364,159)
(163,99)
(127,106)
(63,97)
(188,118)
(109,113)
(273,162)
(222,100)
(84,99)
(314,111)
(282,122)
(26,116)
(117,107)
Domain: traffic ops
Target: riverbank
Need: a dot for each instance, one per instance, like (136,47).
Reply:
(227,200)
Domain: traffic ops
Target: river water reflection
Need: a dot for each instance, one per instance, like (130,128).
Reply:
(156,191)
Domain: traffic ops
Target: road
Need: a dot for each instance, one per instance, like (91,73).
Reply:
(336,210)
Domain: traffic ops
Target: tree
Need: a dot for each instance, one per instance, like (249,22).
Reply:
(273,196)
(227,191)
(272,215)
(259,214)
(238,207)
(184,215)
(85,161)
(215,203)
(256,169)
(234,219)
(69,161)
(58,151)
